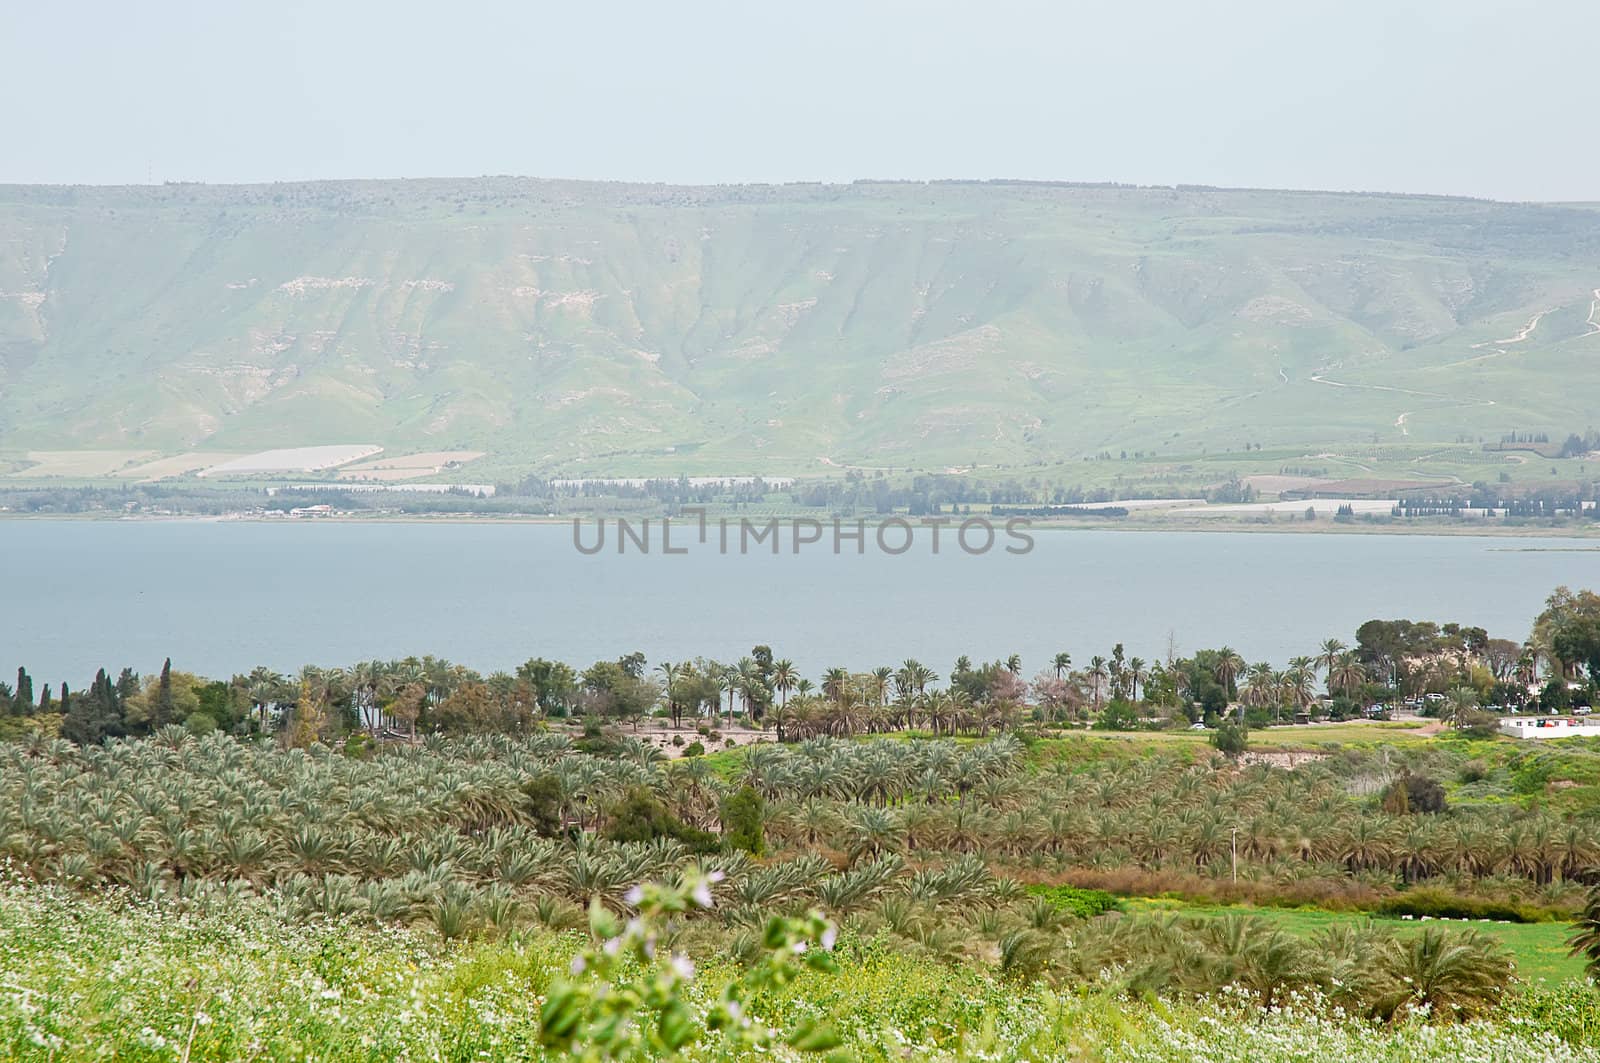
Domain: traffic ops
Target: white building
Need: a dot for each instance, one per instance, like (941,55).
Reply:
(1550,727)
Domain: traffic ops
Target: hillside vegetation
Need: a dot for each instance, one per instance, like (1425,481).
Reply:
(564,326)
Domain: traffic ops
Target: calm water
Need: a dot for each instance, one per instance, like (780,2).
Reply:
(221,598)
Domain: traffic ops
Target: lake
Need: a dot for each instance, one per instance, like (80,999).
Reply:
(222,597)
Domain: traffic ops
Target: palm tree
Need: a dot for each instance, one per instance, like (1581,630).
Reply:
(1227,668)
(1014,664)
(1462,700)
(1262,685)
(833,683)
(1097,676)
(1061,663)
(1298,681)
(1347,674)
(1331,649)
(728,680)
(1585,937)
(784,677)
(1138,672)
(880,684)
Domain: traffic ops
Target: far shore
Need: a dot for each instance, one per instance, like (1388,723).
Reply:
(1325,526)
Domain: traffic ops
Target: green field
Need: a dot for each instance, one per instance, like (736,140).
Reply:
(1540,949)
(1081,334)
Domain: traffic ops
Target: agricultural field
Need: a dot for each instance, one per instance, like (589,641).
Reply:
(408,466)
(293,459)
(78,464)
(206,897)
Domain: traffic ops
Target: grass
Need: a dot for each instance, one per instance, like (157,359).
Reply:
(1540,949)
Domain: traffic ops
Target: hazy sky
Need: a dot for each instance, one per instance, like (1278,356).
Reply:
(1483,97)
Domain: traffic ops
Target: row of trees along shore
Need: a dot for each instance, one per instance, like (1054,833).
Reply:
(1391,661)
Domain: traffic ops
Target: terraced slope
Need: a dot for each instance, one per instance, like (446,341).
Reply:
(622,328)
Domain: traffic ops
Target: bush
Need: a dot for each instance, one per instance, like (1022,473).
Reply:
(1472,771)
(1480,724)
(1531,776)
(1083,903)
(1437,904)
(677,740)
(543,795)
(743,812)
(1118,716)
(1231,738)
(1413,793)
(694,749)
(641,817)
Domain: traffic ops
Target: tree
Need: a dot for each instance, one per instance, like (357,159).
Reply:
(743,813)
(1347,674)
(169,698)
(1331,649)
(1097,677)
(1568,631)
(1226,669)
(1138,672)
(1462,700)
(784,677)
(554,683)
(95,715)
(22,704)
(1061,663)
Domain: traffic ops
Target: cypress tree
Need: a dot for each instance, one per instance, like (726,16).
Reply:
(44,701)
(163,708)
(24,693)
(127,686)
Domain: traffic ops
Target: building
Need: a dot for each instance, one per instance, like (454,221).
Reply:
(1550,727)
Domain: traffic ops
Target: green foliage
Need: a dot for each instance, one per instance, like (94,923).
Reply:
(1439,904)
(743,814)
(200,723)
(1231,737)
(640,816)
(1531,775)
(623,999)
(1081,903)
(1414,794)
(1585,939)
(1118,716)
(543,796)
(694,749)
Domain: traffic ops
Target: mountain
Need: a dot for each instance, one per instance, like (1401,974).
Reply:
(569,326)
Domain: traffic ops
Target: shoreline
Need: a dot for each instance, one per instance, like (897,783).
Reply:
(1202,525)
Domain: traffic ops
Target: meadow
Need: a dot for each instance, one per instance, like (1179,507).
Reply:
(112,977)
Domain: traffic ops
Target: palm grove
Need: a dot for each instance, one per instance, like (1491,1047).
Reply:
(1461,667)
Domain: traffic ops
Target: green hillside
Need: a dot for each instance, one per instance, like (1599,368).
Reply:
(566,326)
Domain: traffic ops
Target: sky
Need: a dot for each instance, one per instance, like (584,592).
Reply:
(1473,97)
